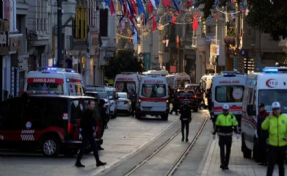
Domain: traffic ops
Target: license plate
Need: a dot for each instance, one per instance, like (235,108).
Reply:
(146,109)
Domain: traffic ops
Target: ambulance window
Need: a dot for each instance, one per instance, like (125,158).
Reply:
(33,108)
(45,87)
(11,109)
(229,93)
(153,90)
(55,109)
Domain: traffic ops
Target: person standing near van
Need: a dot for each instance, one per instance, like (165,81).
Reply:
(88,132)
(175,104)
(133,97)
(262,134)
(225,124)
(185,118)
(276,124)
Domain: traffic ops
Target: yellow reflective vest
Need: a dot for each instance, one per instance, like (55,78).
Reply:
(225,124)
(277,128)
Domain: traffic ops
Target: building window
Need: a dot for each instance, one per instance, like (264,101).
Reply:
(104,22)
(18,23)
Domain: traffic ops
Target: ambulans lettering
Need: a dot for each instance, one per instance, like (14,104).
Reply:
(229,82)
(45,80)
(272,83)
(153,82)
(125,79)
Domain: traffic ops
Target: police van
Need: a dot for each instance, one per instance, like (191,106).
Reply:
(44,122)
(265,87)
(127,81)
(55,79)
(227,88)
(178,80)
(153,97)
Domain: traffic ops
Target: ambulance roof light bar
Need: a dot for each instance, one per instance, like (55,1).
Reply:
(275,70)
(129,73)
(153,75)
(56,69)
(34,92)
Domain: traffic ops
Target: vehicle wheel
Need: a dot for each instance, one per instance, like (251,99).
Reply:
(70,153)
(51,147)
(195,110)
(256,151)
(245,150)
(164,117)
(129,113)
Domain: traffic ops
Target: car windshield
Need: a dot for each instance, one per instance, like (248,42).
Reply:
(229,93)
(125,86)
(267,97)
(122,95)
(185,94)
(45,87)
(110,93)
(182,83)
(153,90)
(103,95)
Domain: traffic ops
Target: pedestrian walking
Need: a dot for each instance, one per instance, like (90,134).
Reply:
(276,124)
(262,134)
(133,97)
(224,126)
(88,132)
(185,118)
(104,118)
(175,104)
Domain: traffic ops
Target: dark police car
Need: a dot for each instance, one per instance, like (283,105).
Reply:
(42,121)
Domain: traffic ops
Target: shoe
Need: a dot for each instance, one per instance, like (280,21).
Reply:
(226,168)
(222,167)
(186,140)
(79,165)
(101,148)
(182,139)
(263,164)
(100,164)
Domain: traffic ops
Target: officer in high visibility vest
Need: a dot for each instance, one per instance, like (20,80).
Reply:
(225,124)
(276,124)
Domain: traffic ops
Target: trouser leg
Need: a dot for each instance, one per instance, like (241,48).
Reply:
(272,157)
(82,148)
(182,129)
(187,129)
(222,152)
(94,147)
(133,108)
(228,149)
(281,158)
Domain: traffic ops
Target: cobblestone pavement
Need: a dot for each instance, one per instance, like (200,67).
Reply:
(238,166)
(125,136)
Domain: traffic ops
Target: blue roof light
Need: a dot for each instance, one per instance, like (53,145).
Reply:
(249,82)
(254,82)
(68,80)
(270,69)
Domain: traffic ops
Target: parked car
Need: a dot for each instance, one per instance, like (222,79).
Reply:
(197,90)
(112,95)
(49,123)
(124,104)
(190,95)
(102,93)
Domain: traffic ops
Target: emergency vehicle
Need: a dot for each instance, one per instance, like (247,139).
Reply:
(127,81)
(161,72)
(42,121)
(55,79)
(265,87)
(153,97)
(178,80)
(227,88)
(205,86)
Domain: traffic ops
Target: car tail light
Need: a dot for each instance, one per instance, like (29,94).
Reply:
(177,96)
(126,102)
(69,127)
(167,101)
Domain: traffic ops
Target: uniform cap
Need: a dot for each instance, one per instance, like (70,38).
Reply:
(275,105)
(225,107)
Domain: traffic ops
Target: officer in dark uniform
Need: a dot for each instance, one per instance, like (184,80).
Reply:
(185,117)
(133,97)
(88,132)
(225,123)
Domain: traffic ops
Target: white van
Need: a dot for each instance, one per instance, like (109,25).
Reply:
(205,86)
(127,81)
(153,97)
(178,80)
(55,79)
(227,88)
(266,87)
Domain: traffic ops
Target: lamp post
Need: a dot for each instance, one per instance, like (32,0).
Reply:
(59,35)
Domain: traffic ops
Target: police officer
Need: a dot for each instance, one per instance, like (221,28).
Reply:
(225,123)
(88,132)
(133,98)
(276,124)
(185,117)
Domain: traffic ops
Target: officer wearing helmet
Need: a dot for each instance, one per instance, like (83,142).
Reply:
(225,124)
(276,124)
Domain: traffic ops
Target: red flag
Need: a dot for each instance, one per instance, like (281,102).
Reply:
(188,4)
(112,7)
(133,3)
(216,16)
(233,1)
(173,19)
(131,19)
(153,23)
(195,21)
(125,7)
(166,3)
(150,7)
(143,20)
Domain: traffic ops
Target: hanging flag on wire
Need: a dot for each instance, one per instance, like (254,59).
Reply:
(166,4)
(135,38)
(150,7)
(134,6)
(141,7)
(176,5)
(125,7)
(195,21)
(216,16)
(153,4)
(232,15)
(157,2)
(153,23)
(112,8)
(130,7)
(173,19)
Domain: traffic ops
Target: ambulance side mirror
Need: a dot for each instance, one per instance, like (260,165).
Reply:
(251,110)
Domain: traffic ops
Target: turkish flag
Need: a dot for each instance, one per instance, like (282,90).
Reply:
(150,7)
(134,6)
(173,19)
(153,23)
(195,21)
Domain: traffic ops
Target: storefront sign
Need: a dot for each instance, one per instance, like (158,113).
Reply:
(94,42)
(214,50)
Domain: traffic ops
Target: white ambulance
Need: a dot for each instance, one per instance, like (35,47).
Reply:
(265,87)
(55,79)
(178,80)
(205,86)
(153,97)
(127,81)
(161,72)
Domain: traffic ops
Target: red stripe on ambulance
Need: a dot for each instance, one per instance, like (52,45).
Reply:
(45,80)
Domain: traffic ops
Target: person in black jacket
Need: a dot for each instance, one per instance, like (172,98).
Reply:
(175,104)
(88,132)
(185,117)
(103,114)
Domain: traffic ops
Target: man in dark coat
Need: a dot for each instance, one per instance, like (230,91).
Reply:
(185,118)
(262,134)
(88,132)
